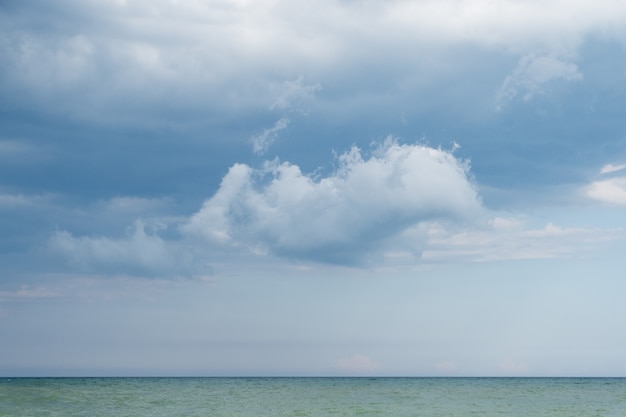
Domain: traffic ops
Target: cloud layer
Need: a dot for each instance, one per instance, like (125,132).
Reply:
(227,55)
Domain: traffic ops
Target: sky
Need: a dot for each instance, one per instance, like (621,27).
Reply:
(329,188)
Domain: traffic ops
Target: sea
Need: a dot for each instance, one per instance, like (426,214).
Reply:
(273,397)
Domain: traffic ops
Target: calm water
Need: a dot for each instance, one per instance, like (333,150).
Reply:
(216,397)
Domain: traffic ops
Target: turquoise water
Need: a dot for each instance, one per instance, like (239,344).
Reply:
(247,397)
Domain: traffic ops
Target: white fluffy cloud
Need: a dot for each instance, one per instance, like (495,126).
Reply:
(398,205)
(278,210)
(402,205)
(342,217)
(612,191)
(611,188)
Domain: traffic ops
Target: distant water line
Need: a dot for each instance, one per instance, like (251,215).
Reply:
(256,397)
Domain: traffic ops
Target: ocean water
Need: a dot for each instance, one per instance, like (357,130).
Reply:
(248,397)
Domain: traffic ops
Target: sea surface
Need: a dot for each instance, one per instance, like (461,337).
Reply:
(256,397)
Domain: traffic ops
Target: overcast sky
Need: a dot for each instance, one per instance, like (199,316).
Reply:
(338,187)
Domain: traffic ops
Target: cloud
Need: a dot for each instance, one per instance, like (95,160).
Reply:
(237,225)
(340,218)
(21,200)
(510,366)
(29,293)
(14,148)
(516,26)
(127,62)
(124,205)
(142,251)
(262,141)
(612,191)
(358,363)
(446,366)
(295,96)
(532,74)
(511,239)
(609,168)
